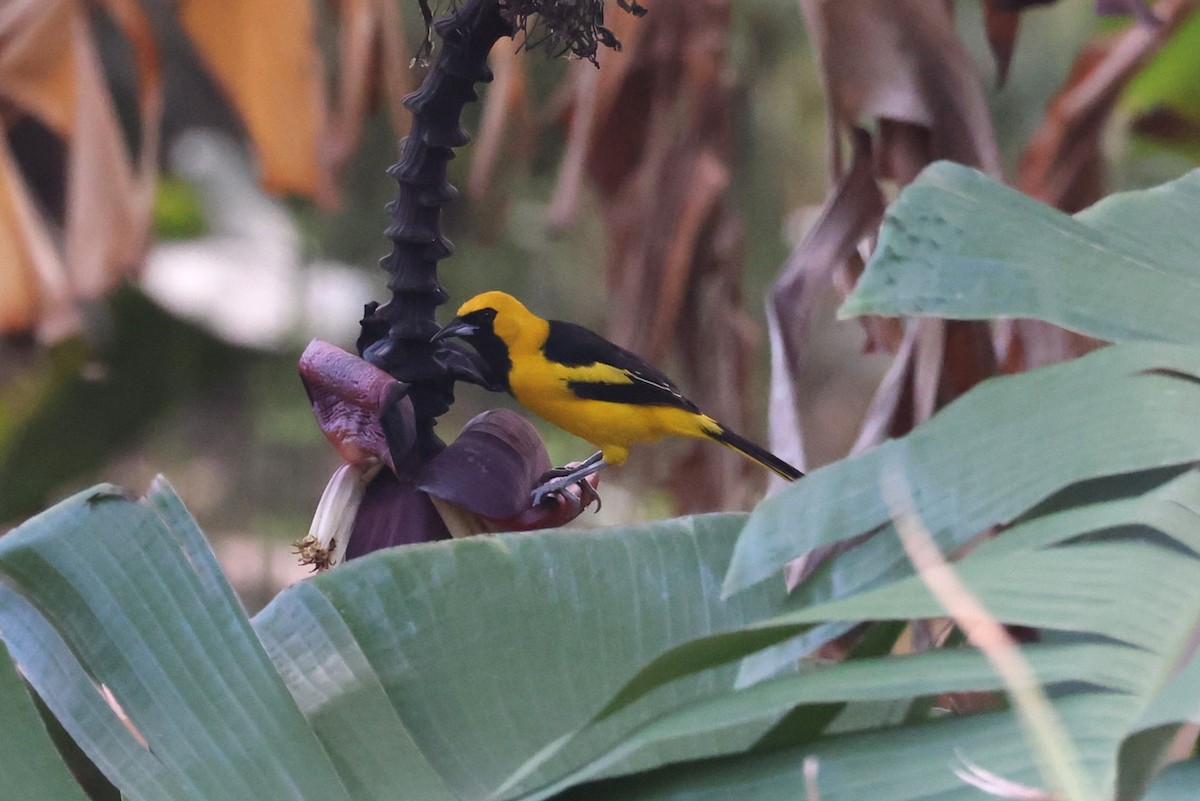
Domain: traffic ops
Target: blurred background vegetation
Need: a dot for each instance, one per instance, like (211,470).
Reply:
(189,367)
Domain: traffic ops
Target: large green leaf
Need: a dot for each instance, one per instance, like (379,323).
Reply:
(1153,734)
(957,244)
(916,759)
(1179,782)
(456,669)
(30,766)
(898,677)
(527,665)
(102,592)
(422,673)
(1117,590)
(905,764)
(1170,507)
(490,649)
(1040,436)
(344,700)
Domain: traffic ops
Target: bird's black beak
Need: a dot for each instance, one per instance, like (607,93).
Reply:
(455,328)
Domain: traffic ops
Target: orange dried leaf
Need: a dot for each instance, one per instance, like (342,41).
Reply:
(18,289)
(50,69)
(263,53)
(373,60)
(37,71)
(507,108)
(33,284)
(107,211)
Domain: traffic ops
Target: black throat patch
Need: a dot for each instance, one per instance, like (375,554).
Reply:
(490,348)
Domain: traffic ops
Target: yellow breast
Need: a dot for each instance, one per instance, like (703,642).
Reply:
(542,387)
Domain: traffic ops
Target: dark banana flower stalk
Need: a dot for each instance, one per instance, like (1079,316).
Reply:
(401,484)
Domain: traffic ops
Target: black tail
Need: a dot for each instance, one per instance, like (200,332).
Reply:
(752,451)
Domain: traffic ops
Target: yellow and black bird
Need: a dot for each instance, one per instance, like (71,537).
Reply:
(586,385)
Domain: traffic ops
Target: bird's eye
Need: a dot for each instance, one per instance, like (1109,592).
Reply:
(489,314)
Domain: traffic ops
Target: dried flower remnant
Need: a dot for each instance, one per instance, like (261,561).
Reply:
(575,28)
(333,522)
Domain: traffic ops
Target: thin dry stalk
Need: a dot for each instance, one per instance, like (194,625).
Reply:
(998,786)
(812,769)
(1057,757)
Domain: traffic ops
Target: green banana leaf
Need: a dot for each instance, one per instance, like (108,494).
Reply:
(1177,783)
(29,763)
(1117,590)
(481,668)
(489,649)
(106,602)
(1116,411)
(418,673)
(957,244)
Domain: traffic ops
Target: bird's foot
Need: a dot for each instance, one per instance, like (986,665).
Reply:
(555,483)
(559,472)
(556,491)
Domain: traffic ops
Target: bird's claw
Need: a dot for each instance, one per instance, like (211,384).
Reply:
(589,494)
(557,487)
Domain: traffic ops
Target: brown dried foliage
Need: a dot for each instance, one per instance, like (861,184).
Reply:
(653,133)
(63,245)
(52,87)
(1063,164)
(651,130)
(899,70)
(373,70)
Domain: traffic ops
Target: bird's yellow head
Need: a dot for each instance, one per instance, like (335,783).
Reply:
(497,325)
(504,306)
(494,314)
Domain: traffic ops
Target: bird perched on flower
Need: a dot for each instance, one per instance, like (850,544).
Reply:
(584,384)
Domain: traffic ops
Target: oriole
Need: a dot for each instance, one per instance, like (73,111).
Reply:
(586,385)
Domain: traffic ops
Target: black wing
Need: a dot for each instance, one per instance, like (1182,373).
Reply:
(575,346)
